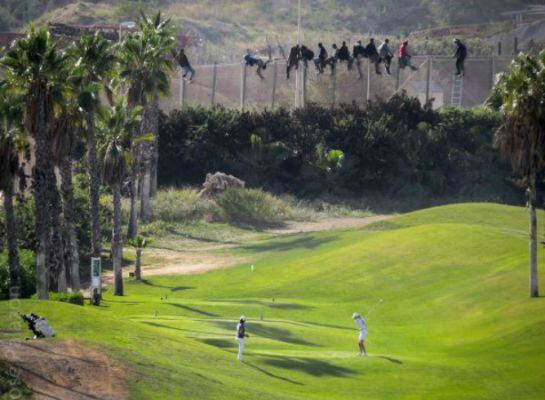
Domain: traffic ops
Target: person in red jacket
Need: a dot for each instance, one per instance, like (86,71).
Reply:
(405,56)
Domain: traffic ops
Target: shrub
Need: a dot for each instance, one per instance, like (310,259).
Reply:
(173,205)
(251,206)
(72,298)
(28,276)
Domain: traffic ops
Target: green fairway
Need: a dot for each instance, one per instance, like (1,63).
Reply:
(457,321)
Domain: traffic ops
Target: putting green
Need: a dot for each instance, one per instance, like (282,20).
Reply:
(456,321)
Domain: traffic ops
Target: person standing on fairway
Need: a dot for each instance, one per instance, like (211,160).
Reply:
(241,334)
(362,326)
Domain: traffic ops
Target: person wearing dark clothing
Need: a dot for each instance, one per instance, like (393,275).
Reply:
(306,55)
(460,55)
(251,61)
(386,55)
(372,53)
(321,61)
(359,52)
(187,71)
(293,59)
(344,55)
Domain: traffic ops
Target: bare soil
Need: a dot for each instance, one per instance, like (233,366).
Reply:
(65,370)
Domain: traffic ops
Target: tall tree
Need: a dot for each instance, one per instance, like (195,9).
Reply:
(146,60)
(10,137)
(33,65)
(116,125)
(93,62)
(521,136)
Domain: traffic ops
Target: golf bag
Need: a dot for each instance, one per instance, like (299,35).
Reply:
(38,325)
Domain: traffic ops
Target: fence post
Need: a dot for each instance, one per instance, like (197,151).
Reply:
(334,85)
(182,90)
(368,89)
(516,45)
(273,95)
(304,88)
(398,76)
(242,86)
(214,77)
(499,48)
(428,79)
(493,71)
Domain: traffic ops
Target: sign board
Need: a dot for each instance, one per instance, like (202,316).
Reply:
(96,270)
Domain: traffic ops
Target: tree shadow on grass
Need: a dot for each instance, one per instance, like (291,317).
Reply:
(300,243)
(221,343)
(270,374)
(180,288)
(309,366)
(266,331)
(195,310)
(281,306)
(393,360)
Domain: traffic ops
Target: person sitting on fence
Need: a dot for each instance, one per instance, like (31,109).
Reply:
(306,55)
(405,56)
(321,61)
(293,59)
(372,53)
(251,61)
(359,52)
(386,55)
(332,61)
(344,55)
(460,55)
(187,71)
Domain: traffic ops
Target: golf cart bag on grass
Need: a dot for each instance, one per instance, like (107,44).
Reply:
(38,325)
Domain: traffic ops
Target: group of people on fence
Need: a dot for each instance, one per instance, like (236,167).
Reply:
(298,54)
(383,54)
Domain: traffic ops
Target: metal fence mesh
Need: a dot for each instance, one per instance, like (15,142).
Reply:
(236,86)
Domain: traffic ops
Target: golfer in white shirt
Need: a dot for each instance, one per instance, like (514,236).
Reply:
(362,326)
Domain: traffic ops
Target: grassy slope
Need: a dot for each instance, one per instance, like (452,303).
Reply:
(456,321)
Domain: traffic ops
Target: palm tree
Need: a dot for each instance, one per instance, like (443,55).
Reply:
(145,61)
(64,143)
(33,65)
(93,62)
(115,127)
(10,137)
(521,137)
(139,243)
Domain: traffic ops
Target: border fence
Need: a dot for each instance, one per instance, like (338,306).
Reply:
(238,86)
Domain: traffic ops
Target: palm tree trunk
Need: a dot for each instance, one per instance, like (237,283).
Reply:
(138,265)
(37,126)
(534,291)
(132,229)
(146,157)
(117,243)
(11,238)
(94,187)
(154,167)
(70,223)
(56,252)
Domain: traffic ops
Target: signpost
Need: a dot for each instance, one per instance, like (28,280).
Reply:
(96,271)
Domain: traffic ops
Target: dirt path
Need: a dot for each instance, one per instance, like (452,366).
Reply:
(65,370)
(202,259)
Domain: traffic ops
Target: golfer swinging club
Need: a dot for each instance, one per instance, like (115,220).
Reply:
(362,326)
(241,334)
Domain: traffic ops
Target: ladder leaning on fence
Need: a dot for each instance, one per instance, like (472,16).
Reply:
(457,90)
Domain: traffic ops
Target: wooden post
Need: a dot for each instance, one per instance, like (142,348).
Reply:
(242,86)
(214,78)
(428,80)
(499,48)
(273,95)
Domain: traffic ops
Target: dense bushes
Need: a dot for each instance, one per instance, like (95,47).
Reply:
(72,298)
(398,149)
(28,276)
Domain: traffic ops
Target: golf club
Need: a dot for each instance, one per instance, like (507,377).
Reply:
(372,308)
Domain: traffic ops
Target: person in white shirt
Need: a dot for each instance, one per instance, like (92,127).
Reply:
(241,334)
(362,326)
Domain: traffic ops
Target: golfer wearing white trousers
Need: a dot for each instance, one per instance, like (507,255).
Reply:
(241,334)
